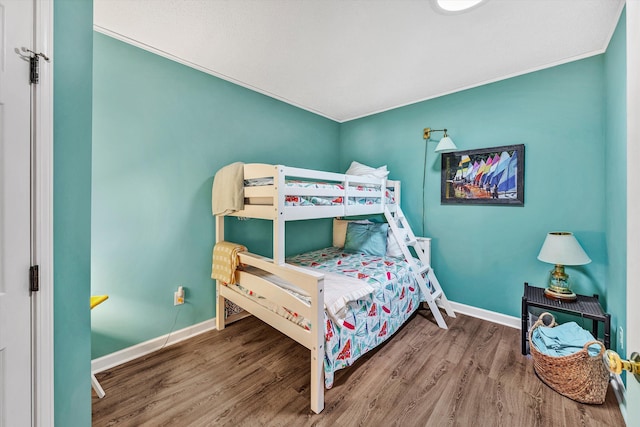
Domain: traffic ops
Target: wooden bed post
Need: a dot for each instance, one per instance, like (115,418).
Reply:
(317,350)
(220,320)
(278,239)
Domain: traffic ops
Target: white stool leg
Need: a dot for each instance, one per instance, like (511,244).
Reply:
(96,386)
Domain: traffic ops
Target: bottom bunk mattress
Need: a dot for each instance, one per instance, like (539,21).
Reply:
(366,322)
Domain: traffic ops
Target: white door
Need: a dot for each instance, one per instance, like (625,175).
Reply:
(16,31)
(633,206)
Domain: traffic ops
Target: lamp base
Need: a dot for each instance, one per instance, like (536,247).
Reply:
(560,296)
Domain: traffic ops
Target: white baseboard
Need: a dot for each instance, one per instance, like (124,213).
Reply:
(125,355)
(491,316)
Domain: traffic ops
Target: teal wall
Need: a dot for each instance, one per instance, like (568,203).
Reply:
(161,131)
(483,254)
(615,80)
(73,22)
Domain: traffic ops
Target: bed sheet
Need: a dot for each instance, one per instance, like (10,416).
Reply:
(370,320)
(294,200)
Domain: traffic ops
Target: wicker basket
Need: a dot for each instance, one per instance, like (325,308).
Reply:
(578,376)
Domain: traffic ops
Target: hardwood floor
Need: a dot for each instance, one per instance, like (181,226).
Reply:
(249,374)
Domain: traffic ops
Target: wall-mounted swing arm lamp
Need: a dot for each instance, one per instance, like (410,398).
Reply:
(445,145)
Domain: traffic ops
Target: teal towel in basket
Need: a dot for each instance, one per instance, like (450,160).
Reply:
(563,340)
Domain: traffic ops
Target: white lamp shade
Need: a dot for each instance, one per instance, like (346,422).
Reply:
(445,145)
(562,248)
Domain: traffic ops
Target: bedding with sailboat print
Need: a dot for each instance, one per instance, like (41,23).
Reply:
(363,322)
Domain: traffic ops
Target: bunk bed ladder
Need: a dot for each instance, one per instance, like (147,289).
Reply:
(424,274)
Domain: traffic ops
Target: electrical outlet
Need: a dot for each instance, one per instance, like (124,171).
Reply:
(178,296)
(620,338)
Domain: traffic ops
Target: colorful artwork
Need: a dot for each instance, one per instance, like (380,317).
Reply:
(493,176)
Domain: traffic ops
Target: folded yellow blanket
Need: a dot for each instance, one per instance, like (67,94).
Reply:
(227,192)
(225,261)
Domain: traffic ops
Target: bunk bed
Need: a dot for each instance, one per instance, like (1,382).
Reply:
(337,304)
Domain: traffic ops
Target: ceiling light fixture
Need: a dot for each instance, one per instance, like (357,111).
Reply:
(457,5)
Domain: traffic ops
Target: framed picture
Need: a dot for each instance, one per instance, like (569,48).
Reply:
(487,176)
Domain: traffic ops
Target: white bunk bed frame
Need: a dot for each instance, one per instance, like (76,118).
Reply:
(268,202)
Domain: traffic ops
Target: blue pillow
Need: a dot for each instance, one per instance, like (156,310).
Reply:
(370,239)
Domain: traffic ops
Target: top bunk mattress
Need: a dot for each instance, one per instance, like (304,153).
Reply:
(287,193)
(296,188)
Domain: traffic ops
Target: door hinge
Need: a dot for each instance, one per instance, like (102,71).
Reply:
(34,65)
(34,279)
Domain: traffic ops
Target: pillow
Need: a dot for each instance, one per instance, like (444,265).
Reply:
(340,230)
(393,248)
(370,239)
(364,170)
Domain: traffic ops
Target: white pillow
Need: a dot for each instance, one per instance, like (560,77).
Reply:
(393,248)
(364,170)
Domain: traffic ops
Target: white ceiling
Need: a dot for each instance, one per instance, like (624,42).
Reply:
(345,59)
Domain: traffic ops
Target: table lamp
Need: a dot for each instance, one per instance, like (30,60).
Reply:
(561,248)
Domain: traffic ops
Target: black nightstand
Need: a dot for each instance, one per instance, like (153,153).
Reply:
(584,306)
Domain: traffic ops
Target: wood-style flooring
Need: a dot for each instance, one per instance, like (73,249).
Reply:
(251,375)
